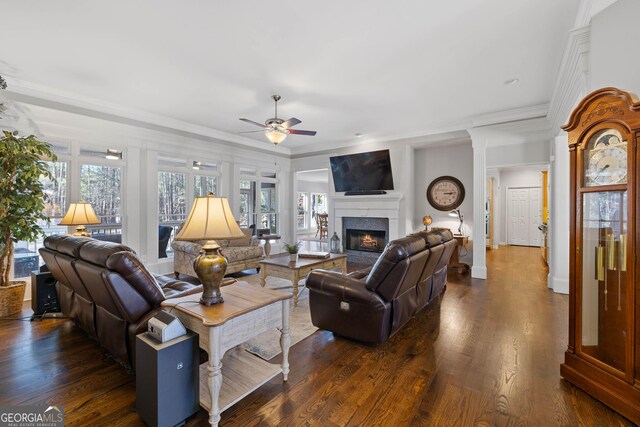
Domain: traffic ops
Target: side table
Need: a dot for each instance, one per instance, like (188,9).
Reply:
(454,262)
(247,311)
(267,242)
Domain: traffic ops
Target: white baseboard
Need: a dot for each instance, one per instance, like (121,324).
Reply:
(478,272)
(559,285)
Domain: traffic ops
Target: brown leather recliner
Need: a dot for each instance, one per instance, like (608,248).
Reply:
(107,291)
(372,305)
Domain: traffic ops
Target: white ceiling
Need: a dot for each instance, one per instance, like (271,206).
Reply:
(381,68)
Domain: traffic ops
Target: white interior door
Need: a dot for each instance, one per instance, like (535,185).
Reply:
(525,215)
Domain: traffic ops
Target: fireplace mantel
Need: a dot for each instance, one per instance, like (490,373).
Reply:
(378,206)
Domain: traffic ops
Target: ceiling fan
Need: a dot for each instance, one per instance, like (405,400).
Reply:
(275,129)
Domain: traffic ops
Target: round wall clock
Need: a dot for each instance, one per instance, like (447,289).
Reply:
(445,193)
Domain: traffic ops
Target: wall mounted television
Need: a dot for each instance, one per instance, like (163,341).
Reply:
(362,173)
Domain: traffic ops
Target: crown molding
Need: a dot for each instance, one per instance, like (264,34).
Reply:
(513,115)
(573,78)
(31,93)
(588,9)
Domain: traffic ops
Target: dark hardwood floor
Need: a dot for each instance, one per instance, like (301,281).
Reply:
(488,354)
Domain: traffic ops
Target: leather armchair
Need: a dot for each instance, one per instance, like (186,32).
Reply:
(372,305)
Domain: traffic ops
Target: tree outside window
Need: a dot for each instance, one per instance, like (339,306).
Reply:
(101,186)
(26,257)
(172,197)
(203,185)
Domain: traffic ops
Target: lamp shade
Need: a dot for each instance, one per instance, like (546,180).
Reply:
(80,213)
(210,219)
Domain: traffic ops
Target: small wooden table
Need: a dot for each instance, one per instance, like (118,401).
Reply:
(283,268)
(246,312)
(267,242)
(454,262)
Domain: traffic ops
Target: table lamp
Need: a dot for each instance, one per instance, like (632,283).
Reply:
(80,214)
(210,219)
(457,213)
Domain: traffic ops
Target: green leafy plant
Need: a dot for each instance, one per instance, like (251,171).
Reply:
(22,196)
(292,249)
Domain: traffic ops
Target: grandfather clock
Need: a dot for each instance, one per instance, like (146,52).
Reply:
(603,356)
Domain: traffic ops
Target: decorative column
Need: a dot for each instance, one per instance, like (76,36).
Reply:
(479,144)
(559,217)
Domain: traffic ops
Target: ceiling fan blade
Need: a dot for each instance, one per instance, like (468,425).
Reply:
(254,123)
(253,131)
(302,132)
(290,123)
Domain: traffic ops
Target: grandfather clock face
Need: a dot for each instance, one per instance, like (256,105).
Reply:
(605,159)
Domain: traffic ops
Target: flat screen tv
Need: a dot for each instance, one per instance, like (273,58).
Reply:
(362,173)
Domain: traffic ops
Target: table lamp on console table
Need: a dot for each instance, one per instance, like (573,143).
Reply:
(80,214)
(457,213)
(210,219)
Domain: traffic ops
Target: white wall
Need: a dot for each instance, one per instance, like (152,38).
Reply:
(430,163)
(518,154)
(402,179)
(513,178)
(141,147)
(312,187)
(615,37)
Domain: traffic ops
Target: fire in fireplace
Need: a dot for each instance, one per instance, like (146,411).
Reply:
(366,240)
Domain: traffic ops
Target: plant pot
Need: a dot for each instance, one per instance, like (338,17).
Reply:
(12,298)
(293,257)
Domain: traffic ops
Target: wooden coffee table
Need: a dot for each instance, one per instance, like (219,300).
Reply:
(246,312)
(280,266)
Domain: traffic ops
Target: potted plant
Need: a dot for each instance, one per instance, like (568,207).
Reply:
(293,250)
(22,203)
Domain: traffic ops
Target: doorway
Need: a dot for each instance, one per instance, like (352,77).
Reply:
(312,188)
(524,216)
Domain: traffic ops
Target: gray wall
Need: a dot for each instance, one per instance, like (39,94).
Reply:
(430,163)
(615,38)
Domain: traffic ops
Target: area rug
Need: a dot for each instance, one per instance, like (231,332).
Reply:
(267,345)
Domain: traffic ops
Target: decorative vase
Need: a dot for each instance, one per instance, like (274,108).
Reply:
(293,257)
(11,298)
(334,246)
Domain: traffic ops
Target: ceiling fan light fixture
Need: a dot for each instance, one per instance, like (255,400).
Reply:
(275,136)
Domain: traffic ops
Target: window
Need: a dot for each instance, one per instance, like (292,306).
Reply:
(259,208)
(26,257)
(203,185)
(172,197)
(302,210)
(268,207)
(101,186)
(172,203)
(247,203)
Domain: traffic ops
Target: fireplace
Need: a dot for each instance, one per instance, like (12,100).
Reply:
(365,240)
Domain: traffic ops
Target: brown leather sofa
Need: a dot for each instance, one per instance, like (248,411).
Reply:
(107,291)
(372,305)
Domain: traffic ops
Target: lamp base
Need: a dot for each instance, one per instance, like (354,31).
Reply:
(81,231)
(210,267)
(209,301)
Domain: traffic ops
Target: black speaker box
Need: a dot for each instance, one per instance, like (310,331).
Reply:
(44,297)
